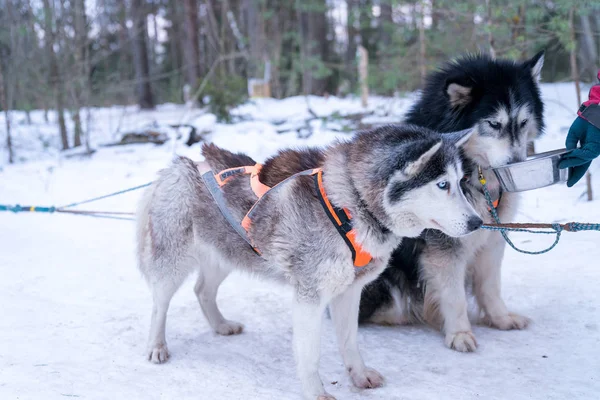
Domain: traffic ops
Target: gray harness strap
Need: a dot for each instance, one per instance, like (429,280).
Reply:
(275,188)
(217,195)
(214,189)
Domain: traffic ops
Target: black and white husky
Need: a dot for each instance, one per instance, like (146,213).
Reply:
(425,281)
(391,181)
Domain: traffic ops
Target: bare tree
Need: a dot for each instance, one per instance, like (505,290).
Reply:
(192,46)
(312,16)
(353,34)
(422,42)
(6,43)
(257,39)
(576,79)
(140,55)
(588,49)
(490,34)
(80,73)
(56,77)
(5,106)
(386,23)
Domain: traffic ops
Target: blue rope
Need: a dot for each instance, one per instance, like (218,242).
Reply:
(105,196)
(502,228)
(106,216)
(557,228)
(580,226)
(19,208)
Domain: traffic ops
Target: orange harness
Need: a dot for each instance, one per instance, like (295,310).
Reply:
(496,202)
(340,218)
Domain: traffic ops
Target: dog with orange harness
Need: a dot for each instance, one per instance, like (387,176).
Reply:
(323,221)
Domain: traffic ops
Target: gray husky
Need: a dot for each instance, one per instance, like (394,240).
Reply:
(394,182)
(425,281)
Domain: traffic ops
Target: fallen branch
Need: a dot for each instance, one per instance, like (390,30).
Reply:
(139,137)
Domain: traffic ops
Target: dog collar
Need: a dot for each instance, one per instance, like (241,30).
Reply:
(342,220)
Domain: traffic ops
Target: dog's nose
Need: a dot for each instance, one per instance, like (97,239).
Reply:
(474,223)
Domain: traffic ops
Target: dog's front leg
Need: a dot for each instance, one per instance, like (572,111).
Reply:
(487,287)
(446,300)
(344,312)
(308,319)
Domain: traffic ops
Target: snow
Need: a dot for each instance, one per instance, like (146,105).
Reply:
(75,310)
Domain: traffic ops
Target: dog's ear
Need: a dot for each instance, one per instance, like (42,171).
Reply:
(458,93)
(535,65)
(458,138)
(414,167)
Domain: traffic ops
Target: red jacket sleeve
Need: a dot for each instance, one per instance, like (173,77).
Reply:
(590,110)
(594,96)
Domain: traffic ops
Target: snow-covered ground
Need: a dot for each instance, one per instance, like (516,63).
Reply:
(74,311)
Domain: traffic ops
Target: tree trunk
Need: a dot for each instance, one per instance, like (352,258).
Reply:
(575,75)
(56,77)
(6,107)
(386,24)
(314,45)
(588,182)
(212,36)
(145,98)
(435,16)
(489,26)
(523,19)
(422,43)
(154,41)
(363,73)
(588,48)
(353,38)
(192,46)
(124,47)
(177,40)
(81,73)
(596,18)
(256,36)
(229,42)
(518,32)
(368,35)
(77,129)
(573,56)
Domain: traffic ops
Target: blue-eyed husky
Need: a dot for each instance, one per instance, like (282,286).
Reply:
(425,281)
(383,185)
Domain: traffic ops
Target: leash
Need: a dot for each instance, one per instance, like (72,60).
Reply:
(552,229)
(128,216)
(555,229)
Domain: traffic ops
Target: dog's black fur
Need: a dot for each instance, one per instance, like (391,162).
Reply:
(492,83)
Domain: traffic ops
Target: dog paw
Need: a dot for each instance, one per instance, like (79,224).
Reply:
(461,341)
(229,328)
(368,378)
(509,321)
(158,354)
(326,396)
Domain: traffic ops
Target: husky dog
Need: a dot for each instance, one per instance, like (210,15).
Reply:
(392,181)
(427,277)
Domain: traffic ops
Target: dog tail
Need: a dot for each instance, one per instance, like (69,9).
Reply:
(220,159)
(164,218)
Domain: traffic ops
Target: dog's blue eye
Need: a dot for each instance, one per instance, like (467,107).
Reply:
(495,125)
(443,185)
(524,123)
